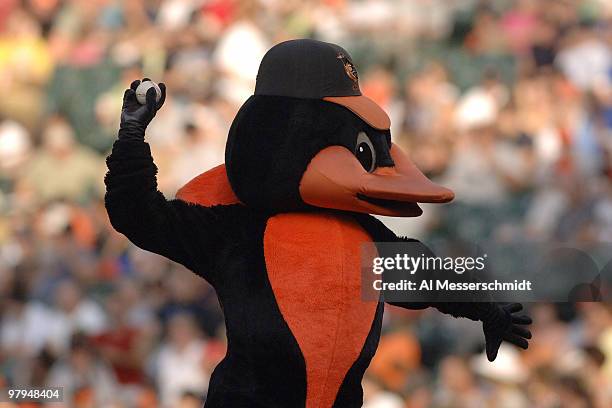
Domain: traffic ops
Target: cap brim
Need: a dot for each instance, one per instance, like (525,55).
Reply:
(365,108)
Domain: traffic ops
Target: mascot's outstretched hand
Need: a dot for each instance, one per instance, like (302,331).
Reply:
(135,117)
(505,324)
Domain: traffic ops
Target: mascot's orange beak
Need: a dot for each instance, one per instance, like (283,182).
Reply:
(335,179)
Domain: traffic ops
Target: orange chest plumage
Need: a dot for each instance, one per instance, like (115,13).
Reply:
(313,262)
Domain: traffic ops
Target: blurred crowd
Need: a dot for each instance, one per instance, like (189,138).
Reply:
(509,103)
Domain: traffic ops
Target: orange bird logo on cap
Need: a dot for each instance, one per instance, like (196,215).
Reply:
(350,70)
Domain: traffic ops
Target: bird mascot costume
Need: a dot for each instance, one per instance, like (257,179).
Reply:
(277,229)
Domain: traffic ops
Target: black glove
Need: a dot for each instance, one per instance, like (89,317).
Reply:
(136,117)
(501,324)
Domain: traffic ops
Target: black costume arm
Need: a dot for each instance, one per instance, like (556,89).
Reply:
(500,322)
(477,307)
(175,229)
(182,232)
(472,310)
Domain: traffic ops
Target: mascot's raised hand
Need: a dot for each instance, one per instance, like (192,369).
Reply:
(135,117)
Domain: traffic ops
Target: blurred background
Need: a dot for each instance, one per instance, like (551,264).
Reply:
(507,102)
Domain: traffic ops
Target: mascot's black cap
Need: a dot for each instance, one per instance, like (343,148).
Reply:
(312,69)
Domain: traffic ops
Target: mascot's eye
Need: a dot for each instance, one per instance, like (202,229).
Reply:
(365,152)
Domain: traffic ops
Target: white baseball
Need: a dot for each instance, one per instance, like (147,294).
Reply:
(141,91)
